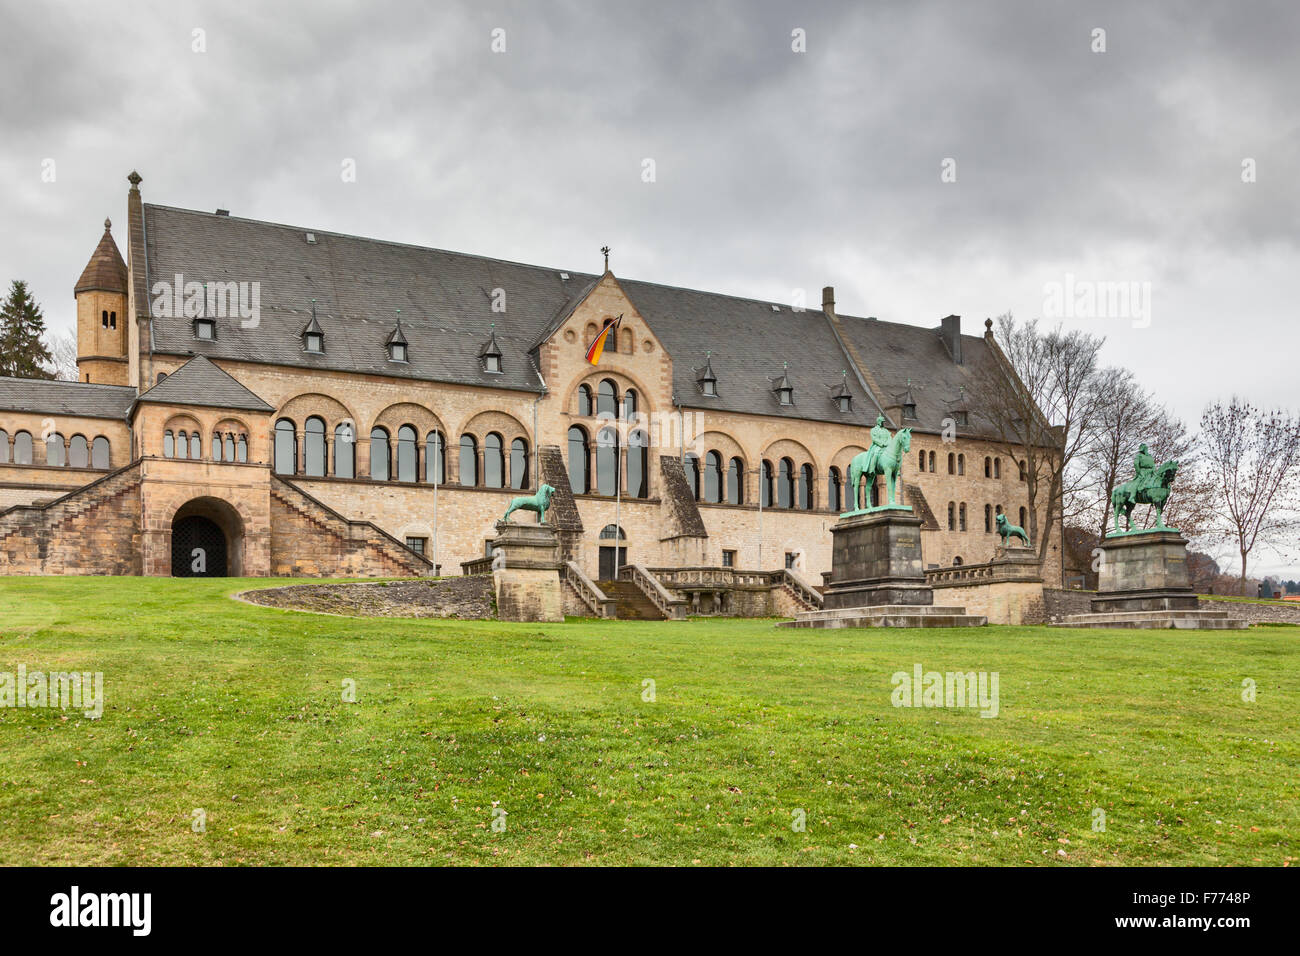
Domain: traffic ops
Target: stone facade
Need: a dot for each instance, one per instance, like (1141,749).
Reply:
(326,426)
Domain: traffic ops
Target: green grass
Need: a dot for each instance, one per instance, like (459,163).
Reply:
(217,705)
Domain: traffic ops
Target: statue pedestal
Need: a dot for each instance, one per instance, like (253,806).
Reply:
(526,573)
(1144,572)
(876,560)
(1144,584)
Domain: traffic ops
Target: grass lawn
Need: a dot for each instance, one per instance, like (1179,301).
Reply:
(236,710)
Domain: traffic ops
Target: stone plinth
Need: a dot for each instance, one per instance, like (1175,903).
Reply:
(1143,583)
(1144,572)
(876,560)
(526,573)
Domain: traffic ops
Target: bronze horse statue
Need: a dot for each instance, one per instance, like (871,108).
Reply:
(889,463)
(1129,495)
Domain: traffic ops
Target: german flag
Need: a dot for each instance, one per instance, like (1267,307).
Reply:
(597,347)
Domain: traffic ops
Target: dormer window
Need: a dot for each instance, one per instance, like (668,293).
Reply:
(783,389)
(205,329)
(959,416)
(841,395)
(397,351)
(490,354)
(708,380)
(909,410)
(313,336)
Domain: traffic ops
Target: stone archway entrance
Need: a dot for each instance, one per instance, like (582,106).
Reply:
(207,540)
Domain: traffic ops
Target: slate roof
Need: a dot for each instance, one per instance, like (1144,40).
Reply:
(106,270)
(199,382)
(65,398)
(359,285)
(445,303)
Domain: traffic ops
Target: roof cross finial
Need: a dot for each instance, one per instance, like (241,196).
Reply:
(605,251)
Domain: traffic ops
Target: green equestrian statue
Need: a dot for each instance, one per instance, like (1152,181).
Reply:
(1150,486)
(884,457)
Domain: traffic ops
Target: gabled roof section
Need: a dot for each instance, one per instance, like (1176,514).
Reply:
(106,270)
(65,398)
(199,382)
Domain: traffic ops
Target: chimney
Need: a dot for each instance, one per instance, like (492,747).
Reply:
(951,332)
(828,300)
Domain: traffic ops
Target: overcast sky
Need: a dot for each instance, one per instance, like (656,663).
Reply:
(774,170)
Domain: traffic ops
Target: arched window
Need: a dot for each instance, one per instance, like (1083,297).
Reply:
(607,399)
(379,455)
(806,487)
(494,465)
(519,463)
(182,444)
(579,460)
(408,454)
(736,482)
(691,466)
(638,463)
(345,451)
(584,401)
(79,452)
(952,516)
(612,532)
(286,447)
(873,490)
(997,467)
(988,467)
(435,458)
(196,446)
(785,484)
(961,464)
(957,562)
(22,448)
(169,444)
(713,477)
(99,453)
(931,468)
(241,448)
(629,403)
(961,517)
(952,463)
(920,461)
(228,441)
(1024,523)
(835,485)
(988,518)
(314,447)
(765,484)
(468,460)
(216,446)
(54,451)
(607,461)
(4,447)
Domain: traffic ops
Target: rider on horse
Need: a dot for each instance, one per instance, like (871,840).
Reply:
(879,441)
(1144,468)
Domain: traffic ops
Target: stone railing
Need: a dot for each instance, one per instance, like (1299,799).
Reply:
(800,584)
(669,605)
(477,565)
(596,600)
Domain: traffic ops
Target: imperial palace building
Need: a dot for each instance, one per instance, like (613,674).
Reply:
(298,402)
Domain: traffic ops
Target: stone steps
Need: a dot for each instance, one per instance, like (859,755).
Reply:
(1156,620)
(630,603)
(888,615)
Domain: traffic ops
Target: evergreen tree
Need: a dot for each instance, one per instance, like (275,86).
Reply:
(22,352)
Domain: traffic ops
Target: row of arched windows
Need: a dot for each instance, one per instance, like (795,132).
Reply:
(925,461)
(76,452)
(408,459)
(781,484)
(617,461)
(225,446)
(957,516)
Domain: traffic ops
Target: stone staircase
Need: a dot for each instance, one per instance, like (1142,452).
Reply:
(1190,619)
(630,601)
(888,615)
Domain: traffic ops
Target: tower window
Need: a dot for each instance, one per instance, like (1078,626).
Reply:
(313,342)
(112,320)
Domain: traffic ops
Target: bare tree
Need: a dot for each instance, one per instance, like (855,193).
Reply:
(1254,456)
(63,355)
(1039,395)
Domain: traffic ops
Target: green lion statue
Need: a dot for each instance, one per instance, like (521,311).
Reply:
(539,503)
(1009,530)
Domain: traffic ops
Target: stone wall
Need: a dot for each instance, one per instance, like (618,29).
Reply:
(1255,613)
(1059,603)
